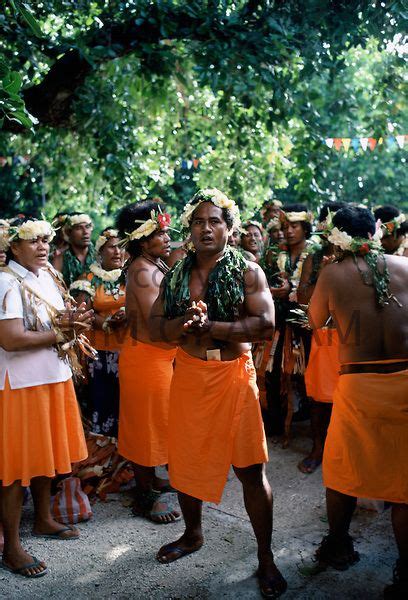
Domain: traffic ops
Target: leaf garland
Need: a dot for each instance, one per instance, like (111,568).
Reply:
(225,292)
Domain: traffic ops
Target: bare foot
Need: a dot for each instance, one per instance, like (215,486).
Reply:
(310,463)
(181,547)
(19,558)
(271,582)
(53,528)
(1,537)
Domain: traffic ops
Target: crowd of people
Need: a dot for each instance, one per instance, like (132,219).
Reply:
(187,353)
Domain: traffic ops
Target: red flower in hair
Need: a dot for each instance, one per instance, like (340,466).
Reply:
(364,249)
(163,220)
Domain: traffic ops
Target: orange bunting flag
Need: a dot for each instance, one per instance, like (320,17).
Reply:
(337,143)
(195,162)
(346,143)
(372,143)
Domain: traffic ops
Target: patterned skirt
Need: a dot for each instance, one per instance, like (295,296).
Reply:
(103,399)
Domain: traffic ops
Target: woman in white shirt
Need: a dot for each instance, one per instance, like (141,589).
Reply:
(39,417)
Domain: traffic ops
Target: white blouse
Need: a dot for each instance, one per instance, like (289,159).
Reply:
(37,366)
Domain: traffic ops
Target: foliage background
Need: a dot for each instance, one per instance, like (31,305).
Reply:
(251,89)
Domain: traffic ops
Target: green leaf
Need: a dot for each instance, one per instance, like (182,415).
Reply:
(27,15)
(12,82)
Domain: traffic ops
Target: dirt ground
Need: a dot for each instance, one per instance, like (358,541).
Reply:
(115,556)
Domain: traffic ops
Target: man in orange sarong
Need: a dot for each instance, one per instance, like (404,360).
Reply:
(367,443)
(40,423)
(214,303)
(145,367)
(322,371)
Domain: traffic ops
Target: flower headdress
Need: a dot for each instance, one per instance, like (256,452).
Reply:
(4,227)
(104,237)
(72,220)
(29,230)
(270,204)
(391,227)
(293,217)
(158,221)
(217,198)
(371,250)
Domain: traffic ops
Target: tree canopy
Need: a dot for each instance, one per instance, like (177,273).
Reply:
(138,98)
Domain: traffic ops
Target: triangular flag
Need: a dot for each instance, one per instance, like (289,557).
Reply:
(184,164)
(346,143)
(391,141)
(329,142)
(337,143)
(380,141)
(400,140)
(364,143)
(189,164)
(195,163)
(3,161)
(372,143)
(355,142)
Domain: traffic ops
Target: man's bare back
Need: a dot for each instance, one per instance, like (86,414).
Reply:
(366,332)
(142,288)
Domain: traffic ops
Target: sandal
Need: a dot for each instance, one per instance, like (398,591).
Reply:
(178,550)
(164,506)
(143,502)
(20,570)
(337,553)
(271,586)
(59,535)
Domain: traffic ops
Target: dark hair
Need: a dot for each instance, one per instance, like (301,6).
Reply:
(356,221)
(387,213)
(226,212)
(298,207)
(330,206)
(125,222)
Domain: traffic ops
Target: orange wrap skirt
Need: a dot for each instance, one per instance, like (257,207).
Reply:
(41,432)
(322,372)
(145,373)
(215,421)
(366,451)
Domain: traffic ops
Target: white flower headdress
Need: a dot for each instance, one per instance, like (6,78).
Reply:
(217,198)
(158,221)
(29,230)
(303,215)
(104,237)
(77,219)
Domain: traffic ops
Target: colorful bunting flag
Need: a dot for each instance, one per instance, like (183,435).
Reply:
(364,143)
(329,142)
(355,142)
(346,143)
(400,140)
(372,143)
(391,141)
(337,143)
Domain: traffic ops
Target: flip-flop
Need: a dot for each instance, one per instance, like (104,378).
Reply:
(57,535)
(19,571)
(171,548)
(167,499)
(271,586)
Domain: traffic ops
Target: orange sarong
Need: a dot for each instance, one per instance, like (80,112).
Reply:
(367,442)
(322,372)
(41,432)
(215,421)
(145,373)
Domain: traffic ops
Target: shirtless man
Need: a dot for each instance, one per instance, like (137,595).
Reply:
(367,443)
(215,418)
(145,367)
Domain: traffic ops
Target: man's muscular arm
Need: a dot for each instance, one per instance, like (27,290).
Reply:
(259,320)
(319,311)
